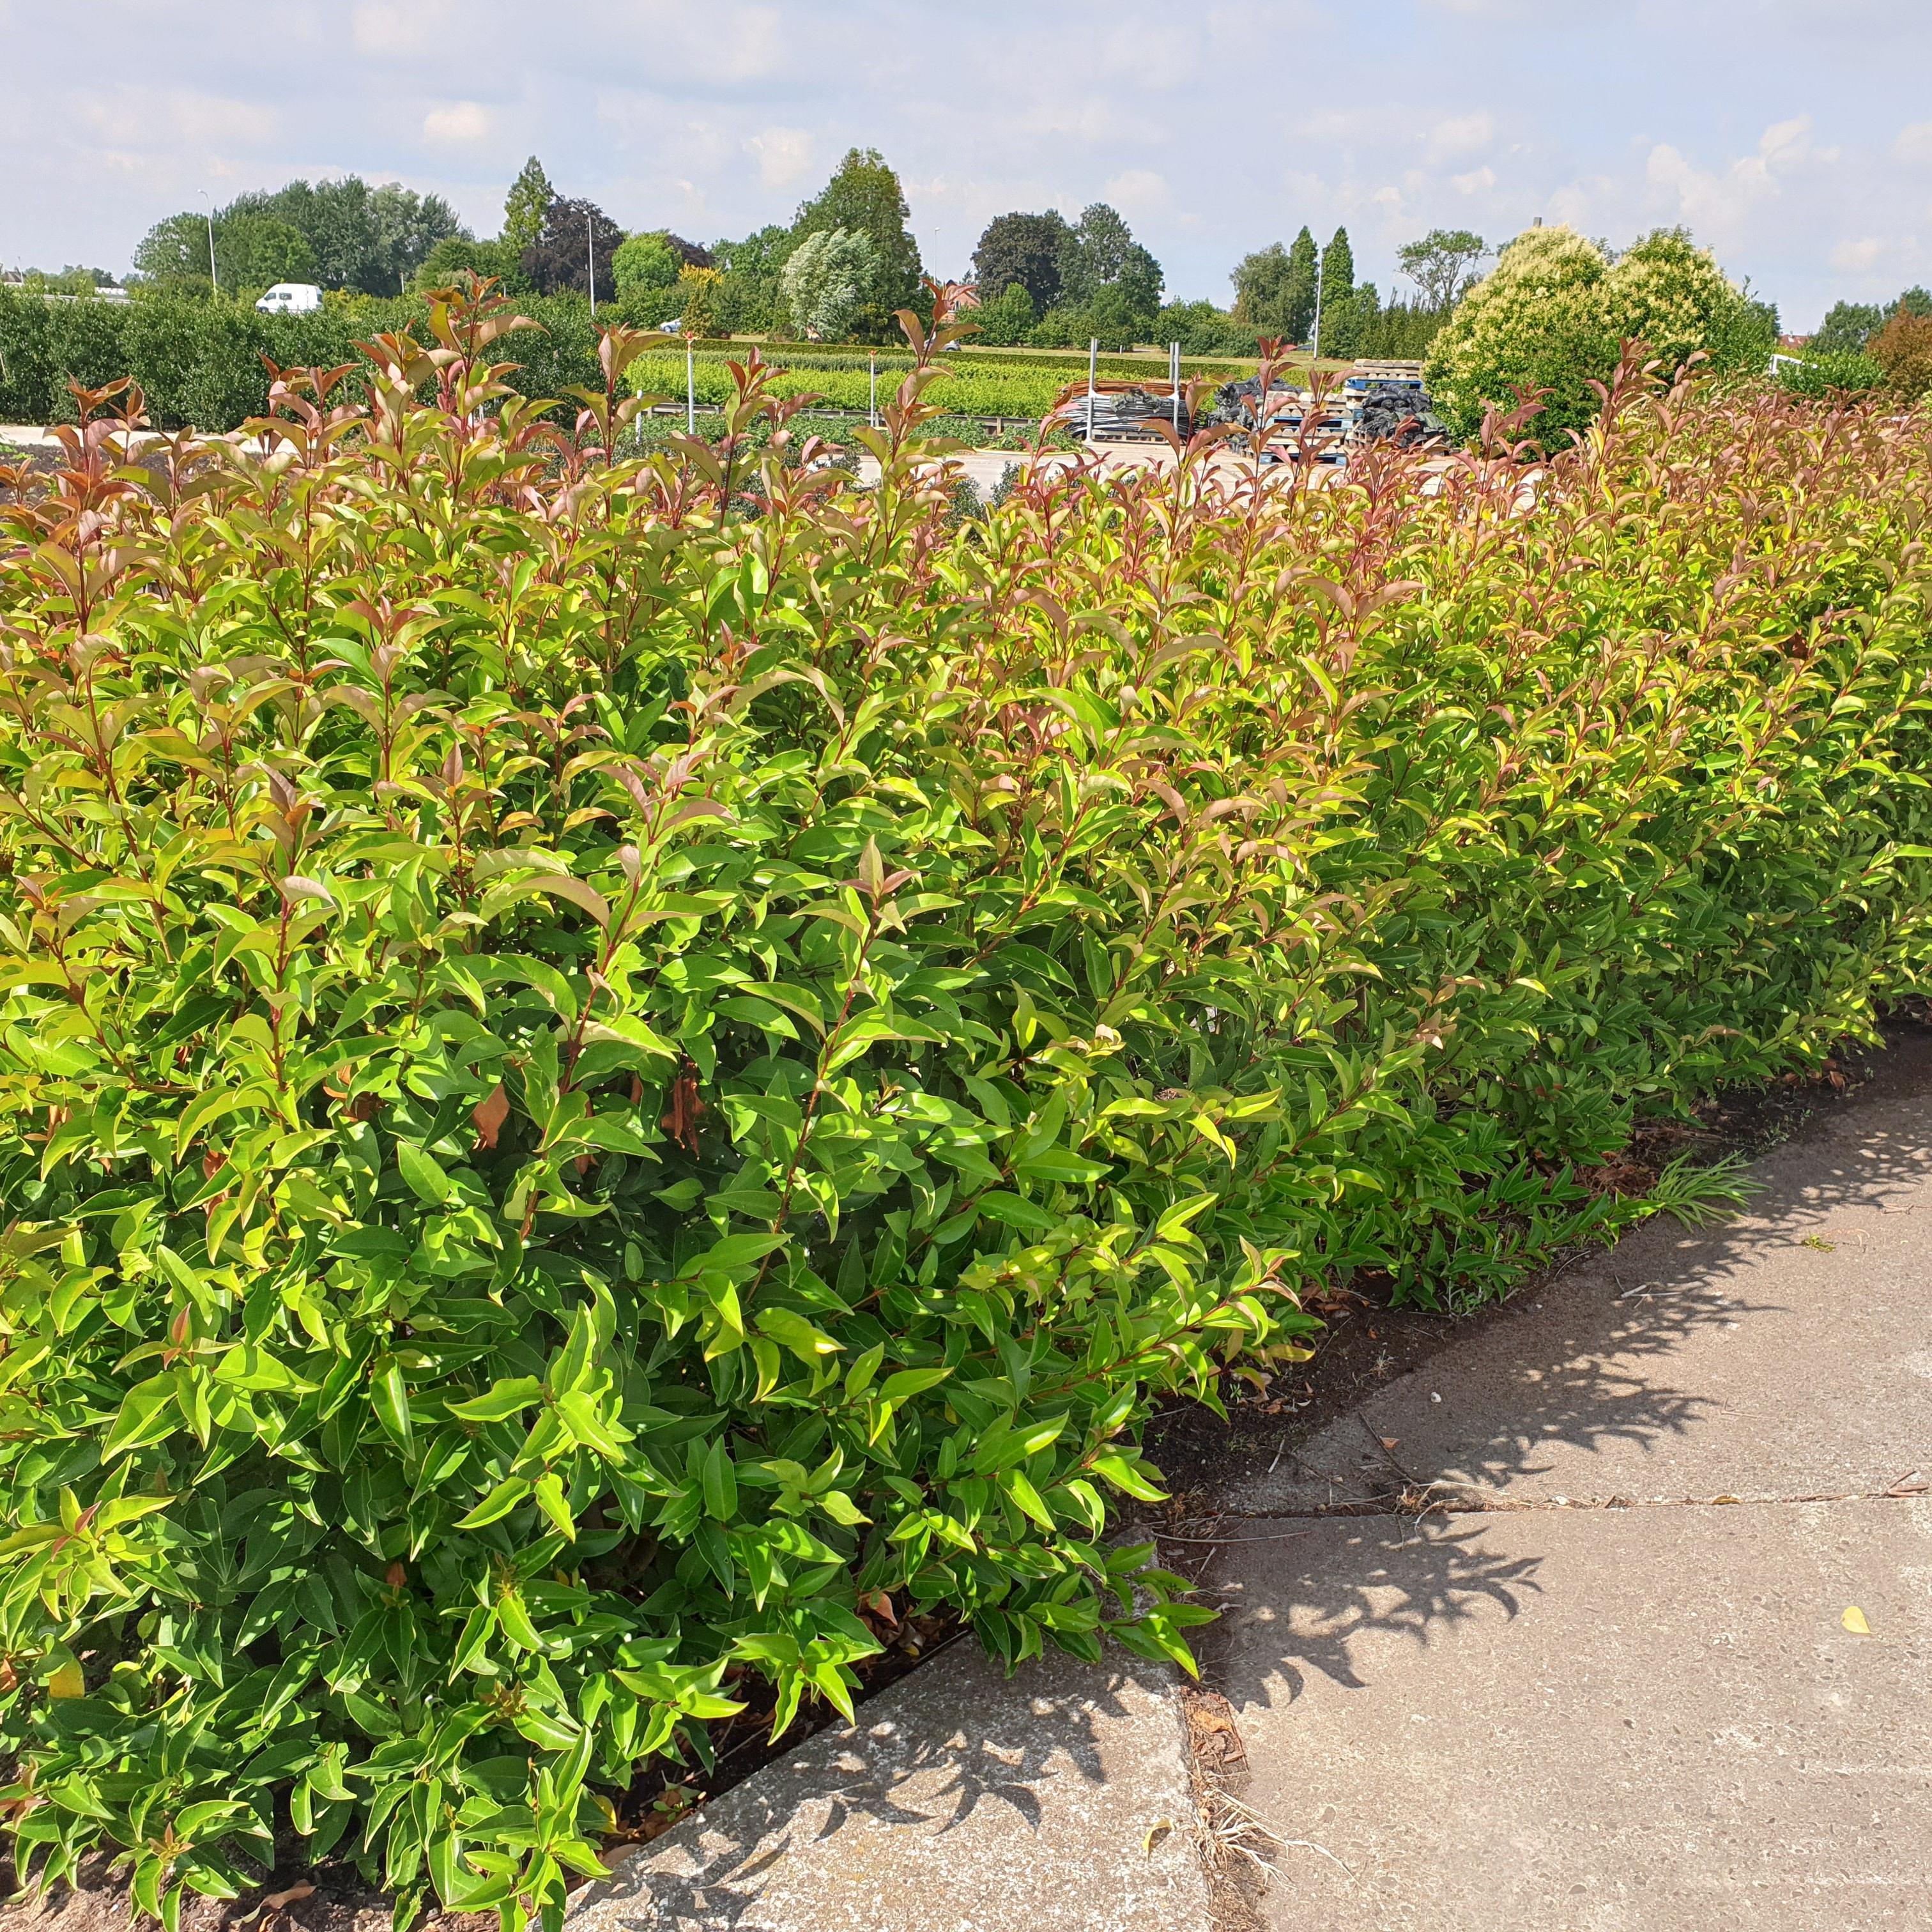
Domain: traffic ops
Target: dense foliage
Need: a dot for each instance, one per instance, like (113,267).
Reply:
(618,1073)
(1274,288)
(827,279)
(576,239)
(199,363)
(1830,374)
(1027,251)
(1849,326)
(864,198)
(1902,348)
(344,234)
(1061,285)
(1554,313)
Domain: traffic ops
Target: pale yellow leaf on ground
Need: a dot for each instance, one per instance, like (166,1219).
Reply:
(1854,1621)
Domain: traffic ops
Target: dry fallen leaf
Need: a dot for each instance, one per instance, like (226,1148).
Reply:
(1390,1441)
(1854,1621)
(1157,1835)
(277,1901)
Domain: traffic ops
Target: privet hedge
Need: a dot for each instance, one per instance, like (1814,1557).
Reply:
(618,1074)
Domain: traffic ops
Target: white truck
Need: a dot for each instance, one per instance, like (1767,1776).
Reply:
(291,298)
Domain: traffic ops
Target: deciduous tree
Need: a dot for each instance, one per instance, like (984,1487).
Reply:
(1442,264)
(575,230)
(864,197)
(826,280)
(1274,288)
(1027,250)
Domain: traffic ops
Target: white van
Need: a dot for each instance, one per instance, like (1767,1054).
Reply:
(291,298)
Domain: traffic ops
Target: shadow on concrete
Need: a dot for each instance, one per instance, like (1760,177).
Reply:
(1581,1360)
(954,1740)
(1585,1361)
(1384,1574)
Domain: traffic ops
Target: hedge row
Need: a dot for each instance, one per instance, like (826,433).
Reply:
(199,362)
(619,1077)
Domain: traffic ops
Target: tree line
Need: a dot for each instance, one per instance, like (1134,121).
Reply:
(838,270)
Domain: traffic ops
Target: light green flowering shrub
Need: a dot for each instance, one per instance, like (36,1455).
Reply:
(1539,319)
(1671,295)
(1555,314)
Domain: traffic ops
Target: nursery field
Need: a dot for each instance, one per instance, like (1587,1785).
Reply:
(624,1077)
(962,385)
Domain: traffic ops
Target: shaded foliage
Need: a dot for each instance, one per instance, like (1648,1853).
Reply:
(1030,251)
(576,236)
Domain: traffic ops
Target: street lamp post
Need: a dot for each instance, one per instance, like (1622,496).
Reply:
(1315,346)
(590,250)
(215,280)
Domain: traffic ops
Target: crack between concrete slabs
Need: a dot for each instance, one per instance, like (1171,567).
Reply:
(1420,1503)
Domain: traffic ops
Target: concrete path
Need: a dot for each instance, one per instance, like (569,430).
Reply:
(1587,1666)
(1057,1800)
(1565,1632)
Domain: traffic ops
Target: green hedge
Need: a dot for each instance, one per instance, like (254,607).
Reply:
(198,362)
(617,1079)
(1830,374)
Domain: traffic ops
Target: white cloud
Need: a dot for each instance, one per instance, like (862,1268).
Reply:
(456,122)
(1719,205)
(178,118)
(749,45)
(1856,257)
(1914,143)
(1139,193)
(1478,181)
(403,29)
(785,155)
(1465,135)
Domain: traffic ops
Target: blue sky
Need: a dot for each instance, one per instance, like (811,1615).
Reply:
(1793,136)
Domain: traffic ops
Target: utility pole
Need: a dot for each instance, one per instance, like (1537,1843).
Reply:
(1315,346)
(214,281)
(590,249)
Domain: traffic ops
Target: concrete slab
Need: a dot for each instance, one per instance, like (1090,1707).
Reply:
(1650,1720)
(1058,1801)
(1788,1353)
